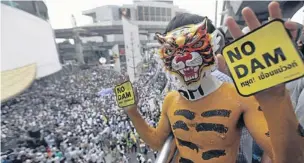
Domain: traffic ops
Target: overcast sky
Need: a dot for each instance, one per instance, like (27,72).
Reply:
(60,11)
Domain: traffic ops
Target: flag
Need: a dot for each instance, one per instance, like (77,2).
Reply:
(104,92)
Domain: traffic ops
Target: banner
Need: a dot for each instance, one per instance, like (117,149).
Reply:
(132,46)
(263,58)
(104,92)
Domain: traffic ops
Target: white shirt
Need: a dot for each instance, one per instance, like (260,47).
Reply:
(94,157)
(296,90)
(106,131)
(142,158)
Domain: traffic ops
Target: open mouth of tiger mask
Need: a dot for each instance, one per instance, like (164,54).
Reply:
(187,52)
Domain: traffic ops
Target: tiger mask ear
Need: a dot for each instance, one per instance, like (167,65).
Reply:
(160,38)
(202,27)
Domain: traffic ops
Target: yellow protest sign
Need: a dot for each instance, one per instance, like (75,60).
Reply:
(124,94)
(263,58)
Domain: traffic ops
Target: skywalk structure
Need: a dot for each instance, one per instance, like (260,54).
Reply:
(149,16)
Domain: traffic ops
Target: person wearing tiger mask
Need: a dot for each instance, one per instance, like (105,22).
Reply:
(205,114)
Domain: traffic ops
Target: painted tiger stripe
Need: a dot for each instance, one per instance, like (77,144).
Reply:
(185,160)
(220,128)
(217,112)
(267,134)
(301,130)
(185,113)
(213,154)
(180,125)
(187,144)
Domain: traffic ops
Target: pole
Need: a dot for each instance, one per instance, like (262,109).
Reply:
(165,152)
(224,8)
(216,3)
(133,57)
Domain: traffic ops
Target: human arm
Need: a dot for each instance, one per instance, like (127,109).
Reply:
(287,144)
(256,123)
(266,159)
(154,137)
(283,142)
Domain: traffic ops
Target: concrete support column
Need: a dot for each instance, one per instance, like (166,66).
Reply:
(104,38)
(78,49)
(151,36)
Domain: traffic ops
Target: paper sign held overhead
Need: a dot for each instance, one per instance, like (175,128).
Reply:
(263,58)
(124,94)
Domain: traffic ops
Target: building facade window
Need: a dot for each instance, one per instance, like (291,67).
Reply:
(10,3)
(168,11)
(140,13)
(169,14)
(163,11)
(152,13)
(145,13)
(158,14)
(37,8)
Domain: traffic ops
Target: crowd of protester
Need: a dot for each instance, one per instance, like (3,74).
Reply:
(64,119)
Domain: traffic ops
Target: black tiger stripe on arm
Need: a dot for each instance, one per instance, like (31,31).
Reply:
(213,154)
(180,125)
(185,113)
(259,108)
(220,128)
(187,144)
(301,130)
(185,160)
(217,112)
(267,134)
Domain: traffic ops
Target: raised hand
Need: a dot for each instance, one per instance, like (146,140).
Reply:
(134,106)
(123,79)
(253,23)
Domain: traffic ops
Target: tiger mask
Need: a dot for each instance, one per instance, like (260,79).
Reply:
(187,52)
